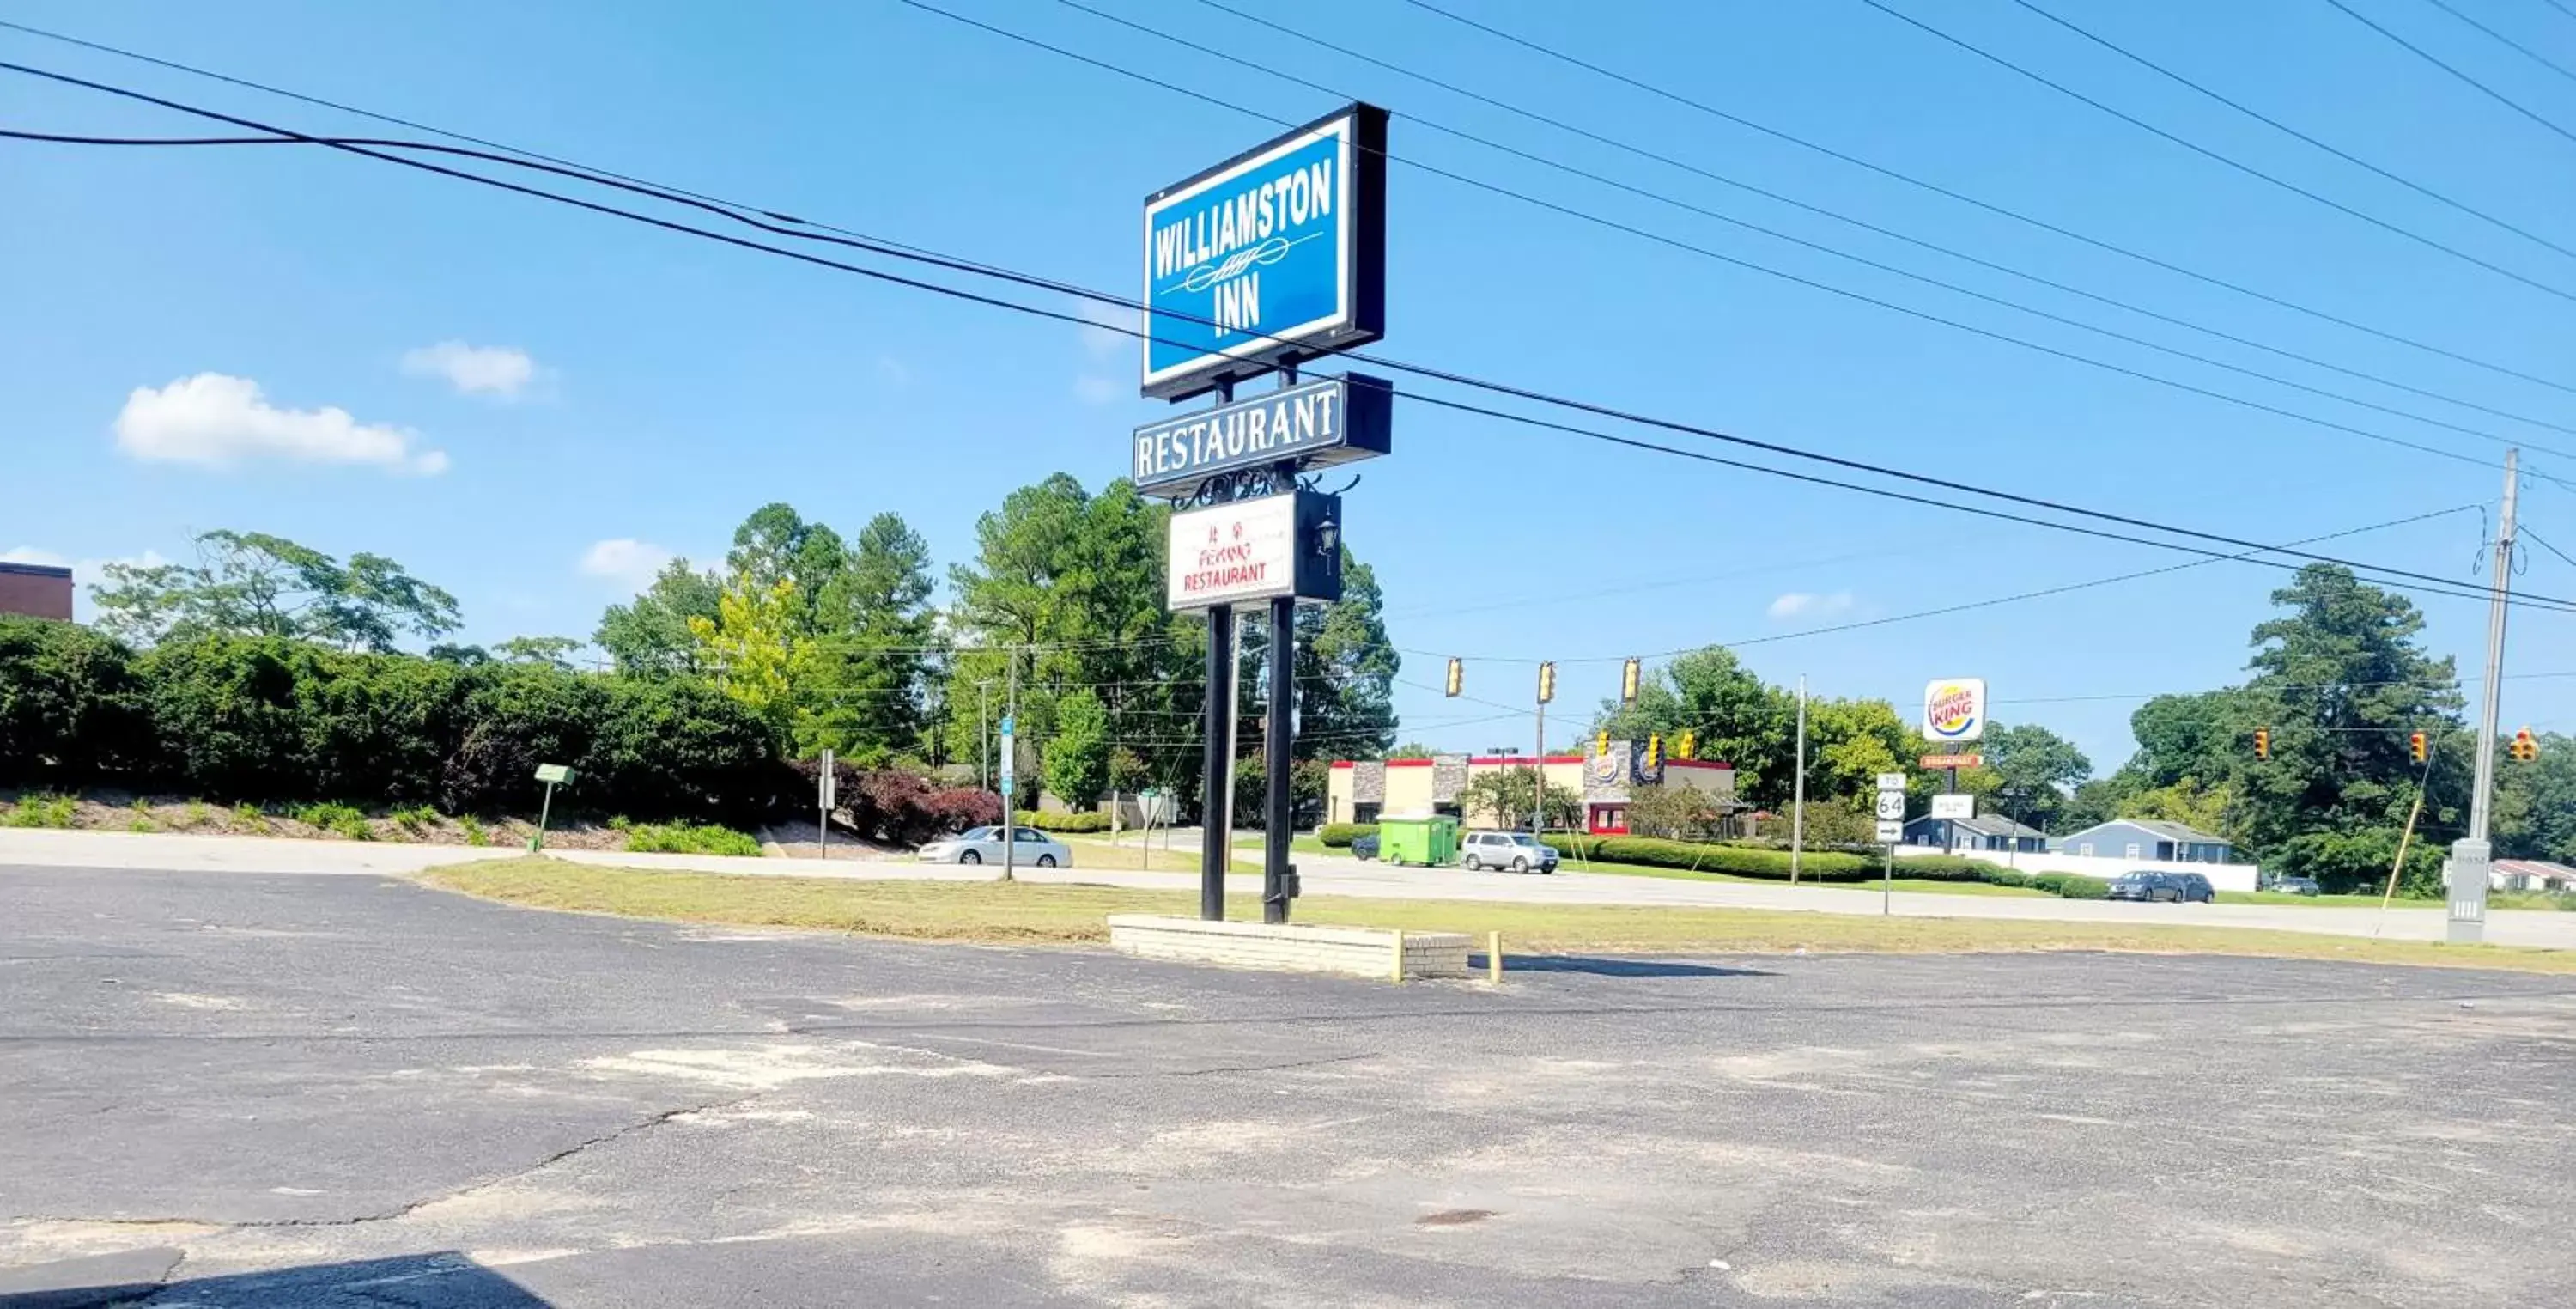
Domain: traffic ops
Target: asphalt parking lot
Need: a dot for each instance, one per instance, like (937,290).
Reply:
(241,1089)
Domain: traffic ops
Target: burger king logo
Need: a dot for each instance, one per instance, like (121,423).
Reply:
(1954,709)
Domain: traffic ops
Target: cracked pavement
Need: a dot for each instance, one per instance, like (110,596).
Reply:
(238,1089)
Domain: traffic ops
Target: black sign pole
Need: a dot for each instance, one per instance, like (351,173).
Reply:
(1276,819)
(1216,824)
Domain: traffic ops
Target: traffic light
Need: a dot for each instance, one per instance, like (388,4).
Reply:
(1654,751)
(1601,743)
(2262,743)
(1686,745)
(2415,746)
(1546,682)
(1457,675)
(1628,683)
(2525,746)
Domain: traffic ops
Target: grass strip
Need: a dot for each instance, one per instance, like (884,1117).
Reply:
(1023,913)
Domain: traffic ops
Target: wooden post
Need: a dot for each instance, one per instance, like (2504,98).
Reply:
(1494,958)
(1398,976)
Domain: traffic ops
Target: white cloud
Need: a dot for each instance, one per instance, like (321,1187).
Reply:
(625,560)
(216,420)
(1807,604)
(28,554)
(1108,329)
(494,370)
(1095,390)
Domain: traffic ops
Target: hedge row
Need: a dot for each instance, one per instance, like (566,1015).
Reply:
(272,720)
(1338,836)
(1048,822)
(1815,865)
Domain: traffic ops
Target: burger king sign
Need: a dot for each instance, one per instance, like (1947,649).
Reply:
(1954,709)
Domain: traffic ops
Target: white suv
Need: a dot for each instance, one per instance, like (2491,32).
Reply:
(1517,851)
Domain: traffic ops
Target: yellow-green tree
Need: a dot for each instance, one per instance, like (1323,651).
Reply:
(750,646)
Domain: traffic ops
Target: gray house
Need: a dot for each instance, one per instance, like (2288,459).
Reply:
(1987,833)
(2147,838)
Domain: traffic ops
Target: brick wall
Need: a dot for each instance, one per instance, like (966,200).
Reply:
(37,590)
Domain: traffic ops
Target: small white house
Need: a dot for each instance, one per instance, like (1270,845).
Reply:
(2530,875)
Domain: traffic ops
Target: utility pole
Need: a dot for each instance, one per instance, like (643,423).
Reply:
(1798,807)
(1010,770)
(2472,856)
(1538,780)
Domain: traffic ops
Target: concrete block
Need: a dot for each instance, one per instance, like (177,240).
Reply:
(1293,947)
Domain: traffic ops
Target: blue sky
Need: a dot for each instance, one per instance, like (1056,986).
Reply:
(517,384)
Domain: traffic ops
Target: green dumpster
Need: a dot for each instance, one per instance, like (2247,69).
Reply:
(1429,842)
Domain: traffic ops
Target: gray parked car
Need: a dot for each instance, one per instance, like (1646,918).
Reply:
(1518,851)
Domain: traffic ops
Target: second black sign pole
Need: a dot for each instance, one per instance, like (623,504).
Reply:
(1217,843)
(1277,824)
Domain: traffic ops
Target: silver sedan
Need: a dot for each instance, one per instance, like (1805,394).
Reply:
(983,845)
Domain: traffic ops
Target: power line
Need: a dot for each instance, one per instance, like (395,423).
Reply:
(1838,216)
(2205,152)
(2524,529)
(1750,265)
(1987,603)
(2517,46)
(2429,57)
(2279,126)
(2000,211)
(2429,582)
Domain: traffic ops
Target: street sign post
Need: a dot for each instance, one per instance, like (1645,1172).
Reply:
(826,790)
(1891,829)
(551,775)
(1010,769)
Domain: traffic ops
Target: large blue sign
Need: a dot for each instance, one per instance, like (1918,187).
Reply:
(1331,421)
(1274,256)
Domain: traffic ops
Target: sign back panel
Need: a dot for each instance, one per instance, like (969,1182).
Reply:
(1276,255)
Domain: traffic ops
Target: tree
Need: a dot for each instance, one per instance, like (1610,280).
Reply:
(2034,771)
(1680,813)
(2188,802)
(752,646)
(775,544)
(2342,682)
(255,584)
(871,635)
(1735,716)
(1077,754)
(650,636)
(1505,795)
(463,656)
(1412,750)
(1345,671)
(1071,585)
(2535,802)
(551,651)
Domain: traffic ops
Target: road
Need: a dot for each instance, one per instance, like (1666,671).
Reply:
(1322,875)
(231,1089)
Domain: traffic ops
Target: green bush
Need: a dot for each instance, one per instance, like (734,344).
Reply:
(40,811)
(1047,822)
(339,819)
(415,819)
(2008,877)
(1754,860)
(687,838)
(473,829)
(1338,836)
(2072,886)
(71,710)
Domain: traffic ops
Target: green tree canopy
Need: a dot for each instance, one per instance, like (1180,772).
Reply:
(255,584)
(649,636)
(1076,762)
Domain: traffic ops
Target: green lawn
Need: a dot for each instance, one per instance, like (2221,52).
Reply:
(1023,912)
